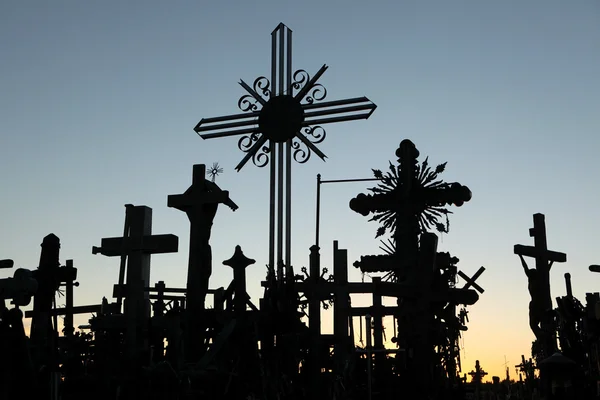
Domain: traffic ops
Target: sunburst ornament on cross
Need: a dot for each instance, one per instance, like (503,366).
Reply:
(214,171)
(282,119)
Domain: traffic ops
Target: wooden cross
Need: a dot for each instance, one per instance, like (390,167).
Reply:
(539,282)
(341,289)
(527,367)
(239,262)
(568,285)
(471,281)
(200,202)
(41,323)
(290,119)
(68,276)
(478,373)
(138,247)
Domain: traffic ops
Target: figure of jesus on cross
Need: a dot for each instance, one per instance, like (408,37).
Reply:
(540,306)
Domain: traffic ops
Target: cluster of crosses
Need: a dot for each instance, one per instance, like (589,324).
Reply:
(158,342)
(567,336)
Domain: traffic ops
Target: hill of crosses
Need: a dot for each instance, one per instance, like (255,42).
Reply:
(148,340)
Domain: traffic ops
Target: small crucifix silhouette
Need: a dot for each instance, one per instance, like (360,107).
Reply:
(539,282)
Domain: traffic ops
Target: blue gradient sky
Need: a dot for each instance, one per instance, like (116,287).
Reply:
(98,102)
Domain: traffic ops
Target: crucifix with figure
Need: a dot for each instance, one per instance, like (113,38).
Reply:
(282,119)
(540,306)
(200,202)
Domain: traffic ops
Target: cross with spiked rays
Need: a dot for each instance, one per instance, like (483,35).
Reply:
(282,119)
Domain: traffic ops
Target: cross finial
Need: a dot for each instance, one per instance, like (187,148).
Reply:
(214,171)
(238,260)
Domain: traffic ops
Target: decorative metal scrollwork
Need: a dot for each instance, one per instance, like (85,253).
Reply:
(316,134)
(261,157)
(247,103)
(247,143)
(326,300)
(262,86)
(300,78)
(316,93)
(301,152)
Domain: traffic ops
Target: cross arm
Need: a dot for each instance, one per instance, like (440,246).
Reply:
(459,296)
(188,200)
(355,108)
(471,281)
(154,244)
(217,125)
(228,202)
(530,251)
(467,297)
(374,311)
(75,310)
(331,120)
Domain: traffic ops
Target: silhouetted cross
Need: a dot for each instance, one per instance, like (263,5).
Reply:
(471,281)
(540,321)
(282,110)
(408,199)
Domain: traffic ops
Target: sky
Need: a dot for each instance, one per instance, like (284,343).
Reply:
(99,100)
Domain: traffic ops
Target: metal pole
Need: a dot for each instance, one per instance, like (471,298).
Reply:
(280,211)
(370,357)
(123,260)
(350,180)
(288,163)
(318,209)
(273,157)
(281,60)
(281,164)
(68,325)
(319,182)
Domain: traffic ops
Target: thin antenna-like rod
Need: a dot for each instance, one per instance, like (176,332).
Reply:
(319,182)
(272,207)
(280,163)
(281,59)
(288,163)
(273,157)
(318,209)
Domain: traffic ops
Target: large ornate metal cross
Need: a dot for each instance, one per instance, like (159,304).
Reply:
(281,120)
(408,200)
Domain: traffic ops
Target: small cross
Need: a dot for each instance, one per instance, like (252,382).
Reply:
(239,262)
(138,247)
(471,281)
